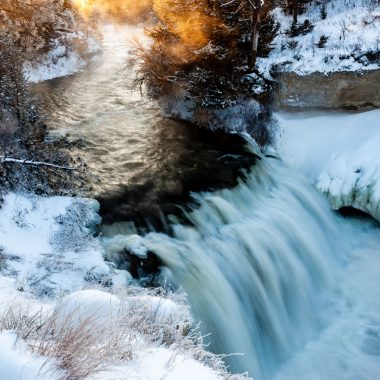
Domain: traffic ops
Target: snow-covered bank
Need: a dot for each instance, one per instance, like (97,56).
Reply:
(338,153)
(63,59)
(345,38)
(74,314)
(329,59)
(52,37)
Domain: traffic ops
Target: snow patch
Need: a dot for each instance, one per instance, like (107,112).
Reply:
(160,363)
(48,243)
(91,305)
(17,363)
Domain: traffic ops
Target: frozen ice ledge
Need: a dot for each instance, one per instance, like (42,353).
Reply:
(339,154)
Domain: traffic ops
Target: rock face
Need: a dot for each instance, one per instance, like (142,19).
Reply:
(337,90)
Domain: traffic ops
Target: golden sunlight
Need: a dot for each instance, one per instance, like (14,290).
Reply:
(114,8)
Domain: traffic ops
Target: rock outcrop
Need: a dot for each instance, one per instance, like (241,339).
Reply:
(353,90)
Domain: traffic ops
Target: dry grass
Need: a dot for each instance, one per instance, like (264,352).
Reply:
(80,349)
(22,320)
(76,348)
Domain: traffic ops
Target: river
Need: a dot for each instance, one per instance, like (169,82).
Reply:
(269,270)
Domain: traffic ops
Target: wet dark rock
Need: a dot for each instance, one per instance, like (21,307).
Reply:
(145,270)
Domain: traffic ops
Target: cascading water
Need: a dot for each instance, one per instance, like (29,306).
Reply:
(254,263)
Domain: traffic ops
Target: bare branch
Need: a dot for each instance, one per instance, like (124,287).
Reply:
(5,159)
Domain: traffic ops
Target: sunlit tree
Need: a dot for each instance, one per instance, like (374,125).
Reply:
(208,48)
(253,11)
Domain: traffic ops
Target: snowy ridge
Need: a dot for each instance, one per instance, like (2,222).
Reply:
(352,29)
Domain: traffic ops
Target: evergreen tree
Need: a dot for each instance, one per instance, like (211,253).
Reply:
(207,47)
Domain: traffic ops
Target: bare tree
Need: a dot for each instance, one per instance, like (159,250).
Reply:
(255,8)
(295,12)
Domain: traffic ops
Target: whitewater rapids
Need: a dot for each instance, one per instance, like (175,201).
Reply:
(254,264)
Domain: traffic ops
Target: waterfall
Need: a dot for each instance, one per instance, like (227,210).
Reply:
(254,261)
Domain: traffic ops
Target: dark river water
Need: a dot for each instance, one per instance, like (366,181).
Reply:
(143,164)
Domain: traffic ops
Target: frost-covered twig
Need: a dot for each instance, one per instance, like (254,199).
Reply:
(5,159)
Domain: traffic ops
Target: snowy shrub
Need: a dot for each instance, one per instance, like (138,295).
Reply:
(371,5)
(80,349)
(72,346)
(323,12)
(292,44)
(322,42)
(77,227)
(22,320)
(297,29)
(36,26)
(2,260)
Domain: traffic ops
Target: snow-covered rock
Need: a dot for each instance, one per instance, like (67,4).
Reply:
(48,243)
(132,243)
(247,115)
(89,306)
(339,153)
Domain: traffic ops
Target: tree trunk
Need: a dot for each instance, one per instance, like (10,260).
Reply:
(295,12)
(255,24)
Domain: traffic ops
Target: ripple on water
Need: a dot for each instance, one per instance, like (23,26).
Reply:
(129,147)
